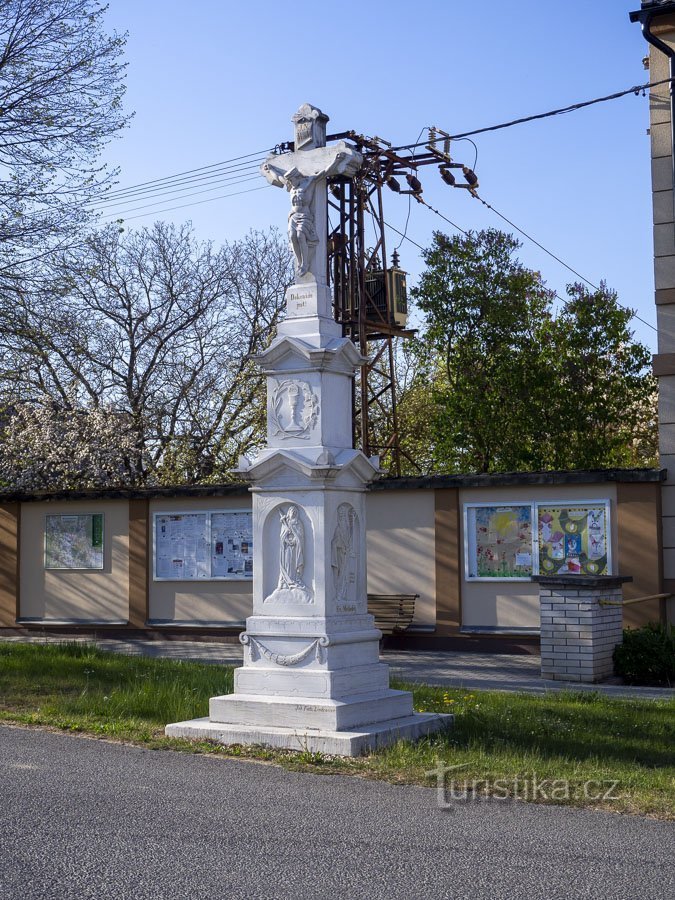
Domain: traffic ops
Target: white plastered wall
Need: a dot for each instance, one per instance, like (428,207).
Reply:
(61,595)
(497,605)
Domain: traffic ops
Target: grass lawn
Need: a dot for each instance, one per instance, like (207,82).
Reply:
(503,744)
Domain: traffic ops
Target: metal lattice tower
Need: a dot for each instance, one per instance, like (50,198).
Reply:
(369,292)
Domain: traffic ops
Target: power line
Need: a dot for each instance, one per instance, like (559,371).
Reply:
(162,186)
(534,241)
(405,236)
(163,198)
(225,162)
(131,196)
(115,216)
(541,246)
(449,221)
(407,219)
(636,89)
(558,259)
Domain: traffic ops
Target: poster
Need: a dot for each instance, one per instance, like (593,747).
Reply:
(231,545)
(74,542)
(182,546)
(499,541)
(573,540)
(196,546)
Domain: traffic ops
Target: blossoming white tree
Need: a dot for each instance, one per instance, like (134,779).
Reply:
(153,331)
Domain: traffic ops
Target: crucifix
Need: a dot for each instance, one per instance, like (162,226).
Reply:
(303,173)
(311,676)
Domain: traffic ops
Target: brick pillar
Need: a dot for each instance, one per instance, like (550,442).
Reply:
(578,630)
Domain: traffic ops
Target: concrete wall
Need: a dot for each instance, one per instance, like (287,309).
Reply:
(62,595)
(664,281)
(402,548)
(415,544)
(638,539)
(400,561)
(190,602)
(9,562)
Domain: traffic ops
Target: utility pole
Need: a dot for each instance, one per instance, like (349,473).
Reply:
(369,289)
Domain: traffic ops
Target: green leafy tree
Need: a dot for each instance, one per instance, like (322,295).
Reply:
(483,314)
(504,385)
(596,394)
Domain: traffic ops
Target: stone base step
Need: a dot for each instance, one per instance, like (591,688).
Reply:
(355,742)
(310,712)
(337,684)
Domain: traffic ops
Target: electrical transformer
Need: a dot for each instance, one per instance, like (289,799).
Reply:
(377,302)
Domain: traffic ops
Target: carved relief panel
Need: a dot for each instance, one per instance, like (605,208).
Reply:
(344,552)
(288,542)
(294,409)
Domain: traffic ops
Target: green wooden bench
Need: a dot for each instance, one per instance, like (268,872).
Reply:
(393,612)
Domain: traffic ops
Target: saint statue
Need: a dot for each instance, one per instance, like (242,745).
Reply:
(341,552)
(291,551)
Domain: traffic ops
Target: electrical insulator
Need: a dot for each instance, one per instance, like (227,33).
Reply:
(446,146)
(447,176)
(392,183)
(470,176)
(432,137)
(415,183)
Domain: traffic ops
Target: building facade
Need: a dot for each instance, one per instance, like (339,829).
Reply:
(170,561)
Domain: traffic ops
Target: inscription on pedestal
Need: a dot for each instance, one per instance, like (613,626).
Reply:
(299,299)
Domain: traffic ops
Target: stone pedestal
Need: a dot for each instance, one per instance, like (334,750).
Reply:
(311,677)
(581,624)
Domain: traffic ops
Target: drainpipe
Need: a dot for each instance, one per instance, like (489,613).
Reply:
(645,17)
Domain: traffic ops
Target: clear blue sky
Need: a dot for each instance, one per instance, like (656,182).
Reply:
(213,80)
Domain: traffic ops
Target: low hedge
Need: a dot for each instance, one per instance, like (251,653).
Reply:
(647,655)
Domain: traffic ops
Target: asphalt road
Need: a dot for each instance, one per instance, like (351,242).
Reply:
(87,819)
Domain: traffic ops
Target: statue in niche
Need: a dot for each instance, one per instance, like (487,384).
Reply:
(290,587)
(342,552)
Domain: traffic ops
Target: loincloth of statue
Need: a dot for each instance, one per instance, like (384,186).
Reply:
(302,223)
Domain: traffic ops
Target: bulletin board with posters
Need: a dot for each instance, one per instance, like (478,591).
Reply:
(574,538)
(498,541)
(74,541)
(203,546)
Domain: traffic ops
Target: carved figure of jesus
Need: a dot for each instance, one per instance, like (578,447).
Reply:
(291,550)
(301,228)
(303,172)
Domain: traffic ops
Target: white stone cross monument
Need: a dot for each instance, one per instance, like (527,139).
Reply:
(311,677)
